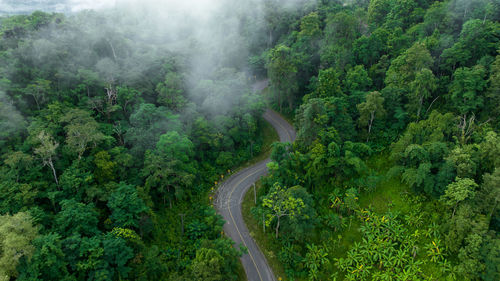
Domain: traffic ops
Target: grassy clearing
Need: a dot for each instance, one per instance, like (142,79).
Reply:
(267,244)
(388,193)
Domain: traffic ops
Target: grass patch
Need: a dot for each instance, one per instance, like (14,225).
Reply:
(266,242)
(388,193)
(242,276)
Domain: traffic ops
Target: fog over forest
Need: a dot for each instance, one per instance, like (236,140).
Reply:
(130,131)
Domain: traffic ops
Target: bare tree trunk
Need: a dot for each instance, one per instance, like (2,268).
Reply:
(431,104)
(493,209)
(420,107)
(36,101)
(112,48)
(370,125)
(51,165)
(277,227)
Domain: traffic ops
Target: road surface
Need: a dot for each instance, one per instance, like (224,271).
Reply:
(228,203)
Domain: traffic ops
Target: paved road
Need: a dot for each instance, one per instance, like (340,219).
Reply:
(228,203)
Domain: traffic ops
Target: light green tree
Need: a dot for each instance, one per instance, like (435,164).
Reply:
(170,92)
(38,91)
(16,233)
(280,203)
(490,191)
(47,151)
(421,89)
(369,109)
(82,131)
(357,79)
(310,26)
(207,265)
(466,90)
(329,84)
(458,191)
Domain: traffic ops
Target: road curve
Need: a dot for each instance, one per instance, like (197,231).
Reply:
(230,196)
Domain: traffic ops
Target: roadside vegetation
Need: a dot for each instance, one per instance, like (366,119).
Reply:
(394,174)
(116,125)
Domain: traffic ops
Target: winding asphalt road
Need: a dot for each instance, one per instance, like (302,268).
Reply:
(228,203)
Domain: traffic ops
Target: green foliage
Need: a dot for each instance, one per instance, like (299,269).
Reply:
(404,68)
(126,206)
(77,218)
(420,151)
(170,93)
(82,131)
(16,234)
(48,261)
(459,191)
(314,259)
(98,132)
(282,71)
(280,203)
(309,26)
(206,265)
(371,108)
(466,90)
(357,79)
(152,134)
(388,250)
(328,84)
(420,80)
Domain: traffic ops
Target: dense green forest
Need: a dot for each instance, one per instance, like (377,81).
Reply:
(112,139)
(395,173)
(110,142)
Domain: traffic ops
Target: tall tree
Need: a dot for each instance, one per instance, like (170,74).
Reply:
(126,206)
(489,195)
(459,191)
(48,261)
(280,203)
(421,89)
(82,131)
(329,84)
(16,233)
(282,72)
(493,94)
(357,79)
(371,108)
(170,92)
(170,167)
(466,90)
(38,90)
(47,151)
(405,67)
